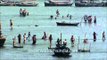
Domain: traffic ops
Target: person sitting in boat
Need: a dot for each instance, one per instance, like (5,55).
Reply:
(64,42)
(44,36)
(58,43)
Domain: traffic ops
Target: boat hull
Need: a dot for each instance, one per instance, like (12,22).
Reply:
(62,51)
(52,4)
(91,5)
(26,4)
(2,41)
(67,24)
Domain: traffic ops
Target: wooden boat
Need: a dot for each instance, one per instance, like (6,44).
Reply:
(90,4)
(66,24)
(57,3)
(4,3)
(18,46)
(62,51)
(2,41)
(82,50)
(26,4)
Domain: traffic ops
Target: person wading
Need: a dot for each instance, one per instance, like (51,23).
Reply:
(11,24)
(94,36)
(72,41)
(24,38)
(34,40)
(19,38)
(50,40)
(103,36)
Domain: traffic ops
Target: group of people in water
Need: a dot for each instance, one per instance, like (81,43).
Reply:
(89,19)
(23,12)
(58,14)
(59,42)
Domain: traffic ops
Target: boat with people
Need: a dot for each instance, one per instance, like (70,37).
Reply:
(17,46)
(64,51)
(58,3)
(61,51)
(67,23)
(90,3)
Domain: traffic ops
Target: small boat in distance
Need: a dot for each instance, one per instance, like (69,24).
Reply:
(26,3)
(90,3)
(58,3)
(67,24)
(18,3)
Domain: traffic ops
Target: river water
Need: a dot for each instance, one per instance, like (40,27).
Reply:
(40,16)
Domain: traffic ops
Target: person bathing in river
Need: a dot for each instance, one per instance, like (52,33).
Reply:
(24,38)
(70,17)
(103,36)
(94,36)
(28,37)
(19,38)
(58,43)
(11,24)
(85,18)
(50,40)
(14,41)
(34,39)
(44,36)
(72,41)
(57,13)
(95,19)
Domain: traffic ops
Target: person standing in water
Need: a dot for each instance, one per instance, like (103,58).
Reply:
(28,38)
(19,38)
(103,36)
(95,19)
(11,24)
(14,41)
(34,40)
(94,36)
(72,41)
(21,11)
(57,12)
(44,36)
(50,40)
(24,38)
